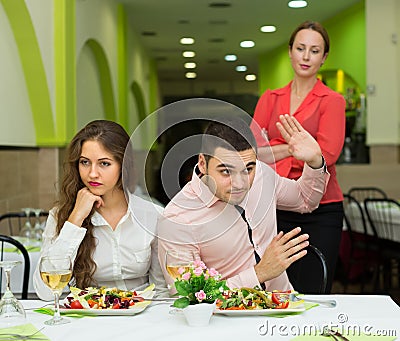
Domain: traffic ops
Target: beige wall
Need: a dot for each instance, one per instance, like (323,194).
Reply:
(28,178)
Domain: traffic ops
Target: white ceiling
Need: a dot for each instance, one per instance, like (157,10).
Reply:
(172,19)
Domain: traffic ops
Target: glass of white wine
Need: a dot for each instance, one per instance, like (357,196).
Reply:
(56,272)
(176,259)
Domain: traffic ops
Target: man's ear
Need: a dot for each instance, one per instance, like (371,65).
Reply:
(202,164)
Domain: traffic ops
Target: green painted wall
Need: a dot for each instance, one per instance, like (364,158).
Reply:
(348,52)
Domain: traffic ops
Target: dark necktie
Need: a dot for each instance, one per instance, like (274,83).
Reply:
(249,230)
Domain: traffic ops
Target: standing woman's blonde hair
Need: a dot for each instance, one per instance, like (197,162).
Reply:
(115,140)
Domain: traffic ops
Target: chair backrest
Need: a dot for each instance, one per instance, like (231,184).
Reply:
(383,216)
(14,221)
(4,240)
(354,216)
(362,193)
(324,267)
(309,274)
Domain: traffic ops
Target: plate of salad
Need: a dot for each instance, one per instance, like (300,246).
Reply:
(106,301)
(251,301)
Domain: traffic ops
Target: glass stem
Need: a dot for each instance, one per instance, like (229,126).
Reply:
(56,315)
(8,279)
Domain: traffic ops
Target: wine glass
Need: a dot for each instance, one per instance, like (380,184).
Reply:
(27,229)
(38,229)
(12,312)
(176,259)
(56,272)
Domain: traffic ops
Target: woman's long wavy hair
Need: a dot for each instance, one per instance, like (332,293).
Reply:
(115,140)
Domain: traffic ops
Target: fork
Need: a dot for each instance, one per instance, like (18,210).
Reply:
(328,303)
(334,334)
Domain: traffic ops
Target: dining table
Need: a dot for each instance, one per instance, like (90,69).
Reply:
(357,223)
(358,317)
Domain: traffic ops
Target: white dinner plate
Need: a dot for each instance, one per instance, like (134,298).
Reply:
(135,309)
(263,312)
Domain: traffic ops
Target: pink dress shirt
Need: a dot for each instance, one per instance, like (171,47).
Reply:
(196,220)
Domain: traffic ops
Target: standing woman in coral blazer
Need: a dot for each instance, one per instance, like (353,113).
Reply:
(321,111)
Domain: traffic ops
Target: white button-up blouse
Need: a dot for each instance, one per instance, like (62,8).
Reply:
(126,258)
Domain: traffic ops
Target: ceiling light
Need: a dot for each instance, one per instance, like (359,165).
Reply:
(250,77)
(297,4)
(241,68)
(268,28)
(190,75)
(190,65)
(247,43)
(230,57)
(188,54)
(187,41)
(219,4)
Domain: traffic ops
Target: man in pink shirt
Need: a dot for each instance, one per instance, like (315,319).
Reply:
(205,216)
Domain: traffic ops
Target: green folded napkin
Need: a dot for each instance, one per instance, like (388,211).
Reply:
(28,248)
(307,306)
(23,329)
(50,311)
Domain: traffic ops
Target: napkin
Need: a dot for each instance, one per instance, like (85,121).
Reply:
(49,311)
(24,329)
(28,248)
(307,306)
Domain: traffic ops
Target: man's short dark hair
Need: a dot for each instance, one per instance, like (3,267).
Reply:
(229,133)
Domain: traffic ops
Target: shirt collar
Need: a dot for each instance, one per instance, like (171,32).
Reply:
(201,189)
(319,89)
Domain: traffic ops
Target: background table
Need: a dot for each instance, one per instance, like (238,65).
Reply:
(17,271)
(370,313)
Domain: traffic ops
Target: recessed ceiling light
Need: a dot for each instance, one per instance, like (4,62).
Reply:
(219,4)
(297,4)
(250,77)
(230,57)
(268,28)
(190,65)
(241,68)
(188,54)
(216,40)
(149,33)
(187,41)
(247,43)
(190,75)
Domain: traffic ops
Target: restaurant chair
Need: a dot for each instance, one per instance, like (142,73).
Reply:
(320,278)
(362,193)
(359,250)
(14,221)
(5,242)
(384,217)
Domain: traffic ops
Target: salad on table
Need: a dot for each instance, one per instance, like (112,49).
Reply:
(101,298)
(253,298)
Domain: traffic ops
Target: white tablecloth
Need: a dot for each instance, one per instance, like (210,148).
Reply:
(357,224)
(367,313)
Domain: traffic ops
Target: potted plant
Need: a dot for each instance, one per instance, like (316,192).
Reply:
(198,287)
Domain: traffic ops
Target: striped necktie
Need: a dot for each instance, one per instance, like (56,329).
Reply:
(249,230)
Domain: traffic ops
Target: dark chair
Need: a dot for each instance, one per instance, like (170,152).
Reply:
(359,250)
(384,218)
(321,278)
(14,221)
(362,193)
(4,240)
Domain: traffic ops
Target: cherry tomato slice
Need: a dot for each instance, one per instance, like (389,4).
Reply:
(280,297)
(76,305)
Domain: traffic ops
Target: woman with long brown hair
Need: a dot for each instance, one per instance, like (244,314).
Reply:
(107,230)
